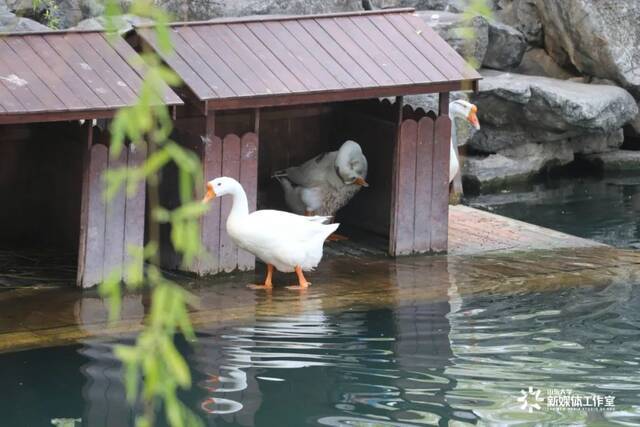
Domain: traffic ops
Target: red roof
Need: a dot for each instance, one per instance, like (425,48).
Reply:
(315,58)
(66,75)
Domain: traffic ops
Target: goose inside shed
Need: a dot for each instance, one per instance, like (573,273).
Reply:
(58,91)
(265,93)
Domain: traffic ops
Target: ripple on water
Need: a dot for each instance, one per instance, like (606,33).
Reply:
(423,364)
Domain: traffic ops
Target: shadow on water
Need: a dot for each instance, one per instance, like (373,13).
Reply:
(422,349)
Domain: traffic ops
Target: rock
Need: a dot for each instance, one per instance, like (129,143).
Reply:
(445,5)
(515,109)
(597,142)
(124,23)
(537,62)
(9,22)
(455,29)
(599,38)
(505,48)
(633,128)
(26,25)
(497,171)
(207,9)
(77,10)
(523,16)
(616,161)
(64,13)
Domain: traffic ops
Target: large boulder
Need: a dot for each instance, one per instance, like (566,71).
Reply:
(207,9)
(455,28)
(522,15)
(620,161)
(532,123)
(505,48)
(537,62)
(62,13)
(9,22)
(633,128)
(446,5)
(597,37)
(497,171)
(515,109)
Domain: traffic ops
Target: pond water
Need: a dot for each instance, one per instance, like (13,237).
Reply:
(447,342)
(602,209)
(461,361)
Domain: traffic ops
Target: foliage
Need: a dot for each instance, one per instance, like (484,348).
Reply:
(50,14)
(154,369)
(473,9)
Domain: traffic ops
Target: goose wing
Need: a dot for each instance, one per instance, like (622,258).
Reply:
(272,226)
(313,172)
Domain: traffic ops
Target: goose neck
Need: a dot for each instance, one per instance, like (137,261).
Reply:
(240,206)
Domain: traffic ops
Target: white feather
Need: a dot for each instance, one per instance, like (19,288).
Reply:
(282,239)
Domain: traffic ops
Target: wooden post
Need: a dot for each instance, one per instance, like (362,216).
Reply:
(230,168)
(402,235)
(440,181)
(210,223)
(134,212)
(394,177)
(424,191)
(115,218)
(443,104)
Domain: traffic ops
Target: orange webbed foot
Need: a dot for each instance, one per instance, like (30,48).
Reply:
(264,286)
(268,285)
(302,282)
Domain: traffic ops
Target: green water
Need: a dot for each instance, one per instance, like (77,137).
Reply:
(456,362)
(461,360)
(606,210)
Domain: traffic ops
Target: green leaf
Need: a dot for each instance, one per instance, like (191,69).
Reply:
(173,411)
(176,364)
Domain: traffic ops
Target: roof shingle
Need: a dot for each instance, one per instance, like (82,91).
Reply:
(249,62)
(67,75)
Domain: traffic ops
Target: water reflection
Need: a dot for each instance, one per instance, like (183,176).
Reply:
(581,339)
(429,341)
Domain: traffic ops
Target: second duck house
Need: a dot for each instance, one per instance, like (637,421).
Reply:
(265,94)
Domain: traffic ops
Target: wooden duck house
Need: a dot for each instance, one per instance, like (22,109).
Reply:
(54,86)
(265,93)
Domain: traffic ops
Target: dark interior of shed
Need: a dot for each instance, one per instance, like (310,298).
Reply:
(40,189)
(291,135)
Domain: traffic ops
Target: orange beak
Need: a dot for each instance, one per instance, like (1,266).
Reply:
(473,117)
(361,182)
(210,194)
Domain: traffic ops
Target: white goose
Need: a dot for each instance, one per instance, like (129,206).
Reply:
(325,183)
(467,111)
(282,240)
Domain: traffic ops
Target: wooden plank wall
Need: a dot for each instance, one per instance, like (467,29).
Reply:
(108,229)
(223,152)
(421,184)
(408,174)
